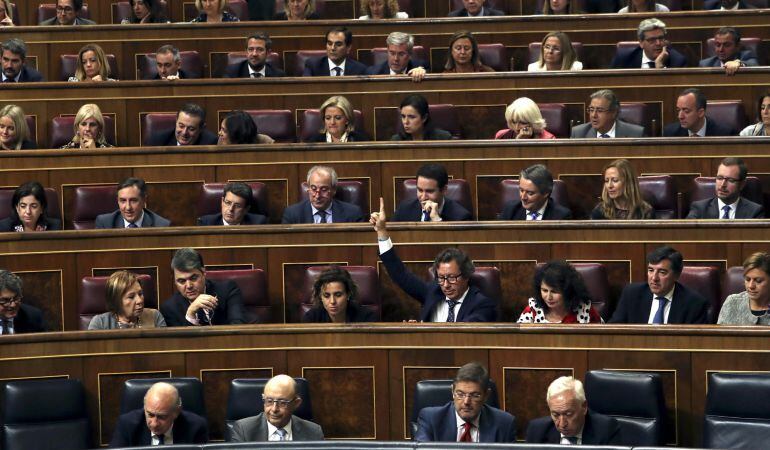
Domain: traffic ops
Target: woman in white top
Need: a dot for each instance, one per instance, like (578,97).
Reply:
(761,128)
(556,53)
(643,6)
(381,9)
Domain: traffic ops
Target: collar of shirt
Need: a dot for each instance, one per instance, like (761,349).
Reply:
(579,437)
(271,429)
(224,222)
(734,8)
(261,71)
(16,78)
(315,210)
(733,207)
(474,431)
(343,138)
(332,66)
(701,132)
(610,133)
(399,73)
(540,211)
(646,60)
(138,221)
(168,437)
(480,13)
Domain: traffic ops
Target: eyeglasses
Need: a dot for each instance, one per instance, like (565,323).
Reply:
(474,396)
(67,9)
(591,110)
(720,179)
(451,279)
(654,39)
(5,301)
(319,189)
(281,404)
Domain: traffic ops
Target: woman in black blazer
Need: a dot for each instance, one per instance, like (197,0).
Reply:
(334,293)
(14,133)
(338,122)
(28,210)
(416,122)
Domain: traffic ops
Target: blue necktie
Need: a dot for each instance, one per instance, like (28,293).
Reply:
(131,225)
(659,314)
(281,434)
(726,210)
(322,215)
(604,135)
(425,216)
(160,439)
(572,439)
(534,215)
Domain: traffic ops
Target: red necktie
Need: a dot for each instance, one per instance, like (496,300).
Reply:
(466,436)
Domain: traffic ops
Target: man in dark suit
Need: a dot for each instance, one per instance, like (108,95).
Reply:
(535,203)
(691,111)
(654,51)
(475,8)
(661,299)
(400,60)
(277,422)
(727,46)
(603,119)
(67,12)
(728,203)
(727,5)
(168,61)
(339,42)
(467,418)
(14,54)
(431,203)
(161,422)
(190,129)
(16,317)
(447,298)
(237,199)
(131,212)
(571,422)
(199,301)
(258,47)
(321,206)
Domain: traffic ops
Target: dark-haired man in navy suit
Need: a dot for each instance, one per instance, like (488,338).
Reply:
(237,198)
(467,418)
(16,317)
(258,48)
(14,56)
(190,129)
(654,51)
(431,203)
(339,42)
(535,202)
(691,112)
(321,206)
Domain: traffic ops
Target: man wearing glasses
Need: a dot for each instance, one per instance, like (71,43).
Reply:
(653,52)
(603,119)
(321,206)
(449,297)
(467,418)
(728,203)
(67,14)
(15,317)
(277,422)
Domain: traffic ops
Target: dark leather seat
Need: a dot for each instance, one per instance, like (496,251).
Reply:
(301,58)
(493,55)
(555,115)
(437,393)
(640,114)
(311,122)
(70,62)
(45,414)
(534,51)
(705,281)
(90,201)
(210,198)
(351,191)
(32,125)
(147,69)
(276,123)
(598,284)
(733,283)
(48,10)
(705,187)
(660,193)
(635,399)
(93,293)
(737,416)
(457,190)
(245,400)
(190,391)
(509,192)
(157,122)
(729,113)
(365,277)
(62,129)
(253,285)
(52,210)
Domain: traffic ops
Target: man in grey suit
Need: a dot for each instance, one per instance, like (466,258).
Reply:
(321,206)
(603,115)
(728,203)
(277,422)
(727,46)
(131,212)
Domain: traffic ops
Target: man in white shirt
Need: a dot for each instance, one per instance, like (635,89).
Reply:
(339,43)
(728,203)
(603,119)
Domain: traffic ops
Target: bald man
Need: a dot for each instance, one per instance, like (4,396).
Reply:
(160,422)
(277,422)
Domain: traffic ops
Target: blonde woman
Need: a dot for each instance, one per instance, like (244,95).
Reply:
(338,122)
(524,121)
(621,196)
(213,11)
(381,9)
(556,53)
(14,133)
(92,65)
(297,10)
(89,129)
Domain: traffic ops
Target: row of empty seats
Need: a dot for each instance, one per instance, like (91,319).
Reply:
(736,414)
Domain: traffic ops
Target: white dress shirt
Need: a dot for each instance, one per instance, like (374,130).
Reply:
(667,306)
(272,434)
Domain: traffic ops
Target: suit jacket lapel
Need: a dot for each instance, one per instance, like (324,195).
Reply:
(645,304)
(676,314)
(486,425)
(146,219)
(307,212)
(553,436)
(449,432)
(465,305)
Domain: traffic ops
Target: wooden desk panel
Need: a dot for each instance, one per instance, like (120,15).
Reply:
(382,363)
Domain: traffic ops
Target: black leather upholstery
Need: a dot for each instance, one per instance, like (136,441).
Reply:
(635,399)
(437,393)
(245,400)
(190,390)
(35,410)
(737,413)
